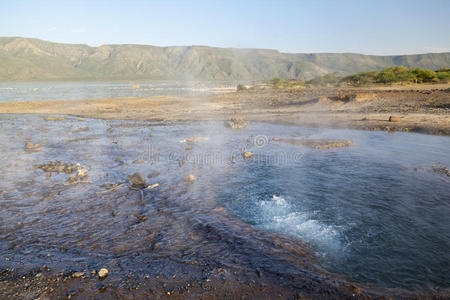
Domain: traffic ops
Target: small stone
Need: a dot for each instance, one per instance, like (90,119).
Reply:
(137,180)
(236,123)
(77,274)
(248,154)
(153,186)
(30,146)
(141,218)
(189,178)
(103,273)
(393,119)
(356,290)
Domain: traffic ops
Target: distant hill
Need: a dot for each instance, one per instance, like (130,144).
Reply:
(24,59)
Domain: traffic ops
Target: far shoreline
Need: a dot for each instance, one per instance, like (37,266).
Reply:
(400,108)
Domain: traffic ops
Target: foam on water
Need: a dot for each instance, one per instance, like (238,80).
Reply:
(278,215)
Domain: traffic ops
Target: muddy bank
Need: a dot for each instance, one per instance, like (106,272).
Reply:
(422,109)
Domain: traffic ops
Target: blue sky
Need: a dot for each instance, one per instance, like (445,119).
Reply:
(364,26)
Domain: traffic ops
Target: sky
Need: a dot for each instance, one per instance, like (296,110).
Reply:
(370,27)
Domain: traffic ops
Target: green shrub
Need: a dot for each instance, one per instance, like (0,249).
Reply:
(425,75)
(443,75)
(241,87)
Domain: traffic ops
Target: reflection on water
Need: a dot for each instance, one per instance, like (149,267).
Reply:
(365,211)
(40,91)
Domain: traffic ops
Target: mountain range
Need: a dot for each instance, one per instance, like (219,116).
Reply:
(28,59)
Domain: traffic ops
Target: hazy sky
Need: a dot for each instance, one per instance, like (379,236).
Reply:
(364,26)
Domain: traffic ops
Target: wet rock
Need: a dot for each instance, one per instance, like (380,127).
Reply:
(194,139)
(393,119)
(319,143)
(78,173)
(356,290)
(153,186)
(103,273)
(32,147)
(137,180)
(54,119)
(141,218)
(80,176)
(189,178)
(236,123)
(441,170)
(247,154)
(77,274)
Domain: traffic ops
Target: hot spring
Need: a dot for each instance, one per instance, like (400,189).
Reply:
(376,212)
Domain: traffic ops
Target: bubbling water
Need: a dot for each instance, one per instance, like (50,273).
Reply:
(375,212)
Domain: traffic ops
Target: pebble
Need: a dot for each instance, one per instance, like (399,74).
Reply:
(103,273)
(137,180)
(248,154)
(189,178)
(393,119)
(77,274)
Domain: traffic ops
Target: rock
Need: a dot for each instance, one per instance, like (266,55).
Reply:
(189,147)
(247,154)
(137,180)
(77,274)
(54,119)
(236,123)
(194,139)
(393,119)
(68,168)
(103,273)
(275,139)
(189,178)
(138,161)
(153,186)
(30,146)
(141,218)
(356,290)
(318,143)
(441,170)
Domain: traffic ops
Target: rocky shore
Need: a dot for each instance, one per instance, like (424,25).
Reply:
(197,273)
(421,108)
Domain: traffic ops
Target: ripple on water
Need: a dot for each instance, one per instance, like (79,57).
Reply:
(375,212)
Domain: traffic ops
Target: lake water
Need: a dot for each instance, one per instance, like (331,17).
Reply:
(374,213)
(39,91)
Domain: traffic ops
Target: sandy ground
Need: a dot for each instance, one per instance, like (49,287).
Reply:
(423,109)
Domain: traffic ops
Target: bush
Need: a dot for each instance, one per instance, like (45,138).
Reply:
(443,75)
(328,79)
(241,87)
(292,84)
(425,75)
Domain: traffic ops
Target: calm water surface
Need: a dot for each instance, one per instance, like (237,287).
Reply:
(39,91)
